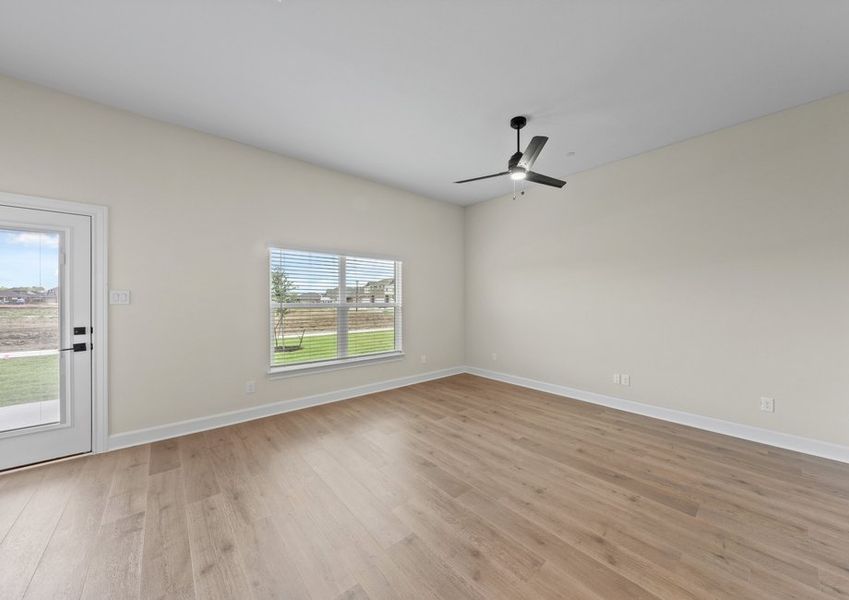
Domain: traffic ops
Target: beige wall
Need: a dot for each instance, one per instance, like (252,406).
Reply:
(190,219)
(714,272)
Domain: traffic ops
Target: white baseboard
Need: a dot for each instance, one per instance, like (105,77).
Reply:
(162,432)
(746,432)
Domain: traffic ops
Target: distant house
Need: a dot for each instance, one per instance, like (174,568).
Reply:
(381,291)
(352,294)
(9,296)
(309,297)
(26,296)
(38,298)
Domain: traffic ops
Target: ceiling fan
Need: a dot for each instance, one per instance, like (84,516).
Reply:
(519,165)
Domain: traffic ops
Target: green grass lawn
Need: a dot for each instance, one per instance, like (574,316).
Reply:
(29,379)
(323,347)
(36,378)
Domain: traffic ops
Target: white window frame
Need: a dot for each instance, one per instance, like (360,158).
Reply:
(342,314)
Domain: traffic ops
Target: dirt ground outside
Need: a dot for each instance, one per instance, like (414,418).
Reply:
(29,327)
(314,320)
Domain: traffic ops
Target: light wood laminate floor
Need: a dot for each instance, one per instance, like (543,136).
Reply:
(457,488)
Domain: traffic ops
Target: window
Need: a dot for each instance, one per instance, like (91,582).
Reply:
(329,309)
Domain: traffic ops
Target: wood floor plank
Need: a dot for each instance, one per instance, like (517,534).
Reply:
(166,568)
(199,479)
(164,455)
(610,577)
(332,539)
(69,552)
(16,489)
(384,580)
(311,555)
(268,562)
(244,500)
(216,564)
(835,583)
(114,569)
(375,517)
(23,546)
(555,584)
(128,495)
(467,560)
(413,557)
(455,488)
(355,593)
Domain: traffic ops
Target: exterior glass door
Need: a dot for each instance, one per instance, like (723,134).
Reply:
(45,317)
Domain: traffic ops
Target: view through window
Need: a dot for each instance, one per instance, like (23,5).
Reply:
(328,307)
(29,328)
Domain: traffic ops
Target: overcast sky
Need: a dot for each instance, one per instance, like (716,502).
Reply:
(29,259)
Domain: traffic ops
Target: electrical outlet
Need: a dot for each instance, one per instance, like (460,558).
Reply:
(768,404)
(626,379)
(250,387)
(617,378)
(424,359)
(494,356)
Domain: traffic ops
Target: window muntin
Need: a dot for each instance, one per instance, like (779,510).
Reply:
(327,308)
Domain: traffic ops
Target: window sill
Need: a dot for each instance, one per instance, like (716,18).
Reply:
(332,365)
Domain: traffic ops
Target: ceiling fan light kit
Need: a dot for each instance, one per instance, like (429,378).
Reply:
(519,165)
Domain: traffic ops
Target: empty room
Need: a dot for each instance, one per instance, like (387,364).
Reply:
(426,300)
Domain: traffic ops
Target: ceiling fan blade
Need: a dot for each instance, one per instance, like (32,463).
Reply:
(532,151)
(484,177)
(544,179)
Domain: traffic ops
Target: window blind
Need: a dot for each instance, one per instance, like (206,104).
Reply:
(327,308)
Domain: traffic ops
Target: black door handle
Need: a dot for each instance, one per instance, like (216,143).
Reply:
(81,347)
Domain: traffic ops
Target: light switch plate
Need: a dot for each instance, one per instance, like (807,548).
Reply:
(119,296)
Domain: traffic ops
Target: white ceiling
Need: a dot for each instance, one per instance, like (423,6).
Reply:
(418,93)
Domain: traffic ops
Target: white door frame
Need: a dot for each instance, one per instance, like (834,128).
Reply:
(99,302)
